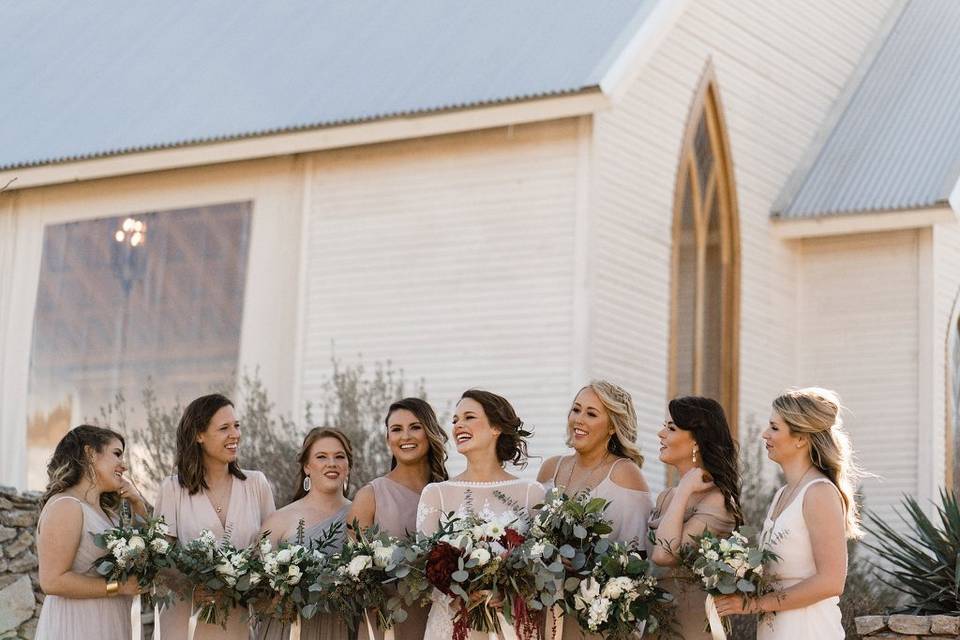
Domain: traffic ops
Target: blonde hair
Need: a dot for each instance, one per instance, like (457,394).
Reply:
(815,413)
(623,418)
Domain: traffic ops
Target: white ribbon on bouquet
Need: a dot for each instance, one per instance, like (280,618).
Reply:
(388,634)
(136,626)
(506,630)
(295,629)
(713,617)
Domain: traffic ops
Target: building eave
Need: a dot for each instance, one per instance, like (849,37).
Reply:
(392,129)
(863,222)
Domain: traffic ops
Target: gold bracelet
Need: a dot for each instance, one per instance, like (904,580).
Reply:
(113,588)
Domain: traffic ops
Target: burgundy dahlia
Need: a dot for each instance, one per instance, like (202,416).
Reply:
(512,539)
(441,563)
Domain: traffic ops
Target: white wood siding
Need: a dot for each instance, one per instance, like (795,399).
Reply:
(860,308)
(780,67)
(946,271)
(453,258)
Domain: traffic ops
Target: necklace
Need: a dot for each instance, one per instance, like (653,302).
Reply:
(786,502)
(593,470)
(218,499)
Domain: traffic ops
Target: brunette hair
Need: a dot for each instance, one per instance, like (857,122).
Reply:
(707,423)
(194,421)
(71,462)
(436,436)
(511,443)
(312,436)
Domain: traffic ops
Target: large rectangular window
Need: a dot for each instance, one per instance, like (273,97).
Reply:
(123,302)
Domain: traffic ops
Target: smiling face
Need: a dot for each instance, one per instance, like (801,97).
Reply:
(588,423)
(108,465)
(676,444)
(471,429)
(327,465)
(781,444)
(407,437)
(221,439)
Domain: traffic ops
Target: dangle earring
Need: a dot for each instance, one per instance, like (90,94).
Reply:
(307,483)
(695,456)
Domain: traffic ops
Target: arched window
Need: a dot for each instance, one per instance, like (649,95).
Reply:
(705,298)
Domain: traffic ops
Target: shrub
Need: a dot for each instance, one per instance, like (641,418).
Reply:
(352,400)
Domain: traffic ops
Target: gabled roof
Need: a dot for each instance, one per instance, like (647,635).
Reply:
(101,77)
(896,145)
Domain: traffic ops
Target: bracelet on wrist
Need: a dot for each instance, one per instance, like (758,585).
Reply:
(113,588)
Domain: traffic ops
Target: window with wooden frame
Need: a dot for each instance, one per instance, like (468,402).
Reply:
(705,296)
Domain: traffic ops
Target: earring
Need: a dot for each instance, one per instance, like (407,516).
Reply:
(345,487)
(695,455)
(307,483)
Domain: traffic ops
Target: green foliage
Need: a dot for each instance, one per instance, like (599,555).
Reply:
(923,564)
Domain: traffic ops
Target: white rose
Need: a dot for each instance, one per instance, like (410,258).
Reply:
(382,555)
(318,555)
(589,589)
(293,574)
(537,549)
(163,529)
(159,545)
(358,564)
(712,555)
(207,537)
(284,556)
(226,569)
(265,546)
(481,555)
(616,587)
(254,577)
(137,543)
(114,542)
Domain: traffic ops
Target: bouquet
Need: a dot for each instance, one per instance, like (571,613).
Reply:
(486,566)
(139,550)
(357,578)
(575,525)
(618,597)
(726,566)
(225,575)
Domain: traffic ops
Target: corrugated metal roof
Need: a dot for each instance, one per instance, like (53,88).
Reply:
(101,77)
(897,143)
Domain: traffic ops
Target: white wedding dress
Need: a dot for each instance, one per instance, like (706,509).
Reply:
(486,502)
(790,539)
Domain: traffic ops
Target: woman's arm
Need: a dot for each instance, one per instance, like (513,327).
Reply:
(673,531)
(57,544)
(548,469)
(825,519)
(363,510)
(275,526)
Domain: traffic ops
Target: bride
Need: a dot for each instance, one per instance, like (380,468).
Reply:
(488,433)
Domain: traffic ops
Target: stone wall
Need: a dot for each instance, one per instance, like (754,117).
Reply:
(904,627)
(20,595)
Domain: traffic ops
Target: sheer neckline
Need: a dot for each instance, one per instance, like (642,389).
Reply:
(492,483)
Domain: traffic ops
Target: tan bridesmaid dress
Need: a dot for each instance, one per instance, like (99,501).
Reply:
(251,501)
(106,618)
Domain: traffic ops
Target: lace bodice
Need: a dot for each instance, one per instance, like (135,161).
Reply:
(506,501)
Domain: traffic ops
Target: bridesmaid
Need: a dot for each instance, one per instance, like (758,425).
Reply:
(210,491)
(696,441)
(602,430)
(325,460)
(418,446)
(82,499)
(809,520)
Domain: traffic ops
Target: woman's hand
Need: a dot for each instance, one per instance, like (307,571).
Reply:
(736,605)
(485,596)
(128,491)
(202,595)
(130,587)
(694,481)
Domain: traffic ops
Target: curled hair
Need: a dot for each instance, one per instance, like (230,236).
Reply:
(71,462)
(511,442)
(312,436)
(705,420)
(436,436)
(815,413)
(194,421)
(623,418)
